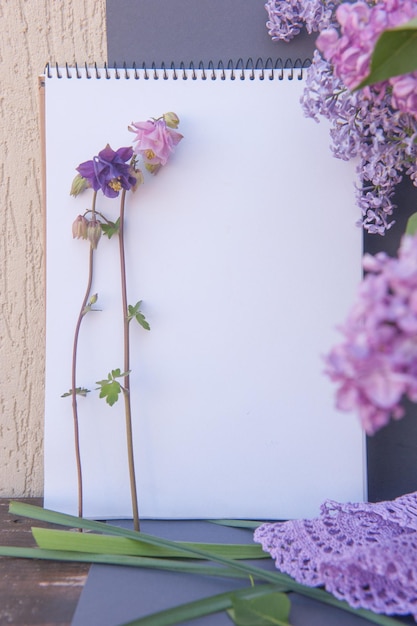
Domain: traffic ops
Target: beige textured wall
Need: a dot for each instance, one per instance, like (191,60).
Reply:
(32,32)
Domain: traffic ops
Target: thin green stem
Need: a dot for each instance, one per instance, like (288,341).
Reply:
(74,373)
(126,367)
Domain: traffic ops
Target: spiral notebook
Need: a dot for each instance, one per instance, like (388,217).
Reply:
(245,254)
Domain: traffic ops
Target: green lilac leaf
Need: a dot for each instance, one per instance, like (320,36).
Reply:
(266,610)
(411,228)
(80,391)
(395,53)
(111,228)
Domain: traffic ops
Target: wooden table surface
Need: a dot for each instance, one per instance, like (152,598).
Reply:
(35,592)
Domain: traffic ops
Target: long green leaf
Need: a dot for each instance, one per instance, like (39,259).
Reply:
(236,523)
(395,53)
(258,573)
(187,567)
(199,608)
(104,544)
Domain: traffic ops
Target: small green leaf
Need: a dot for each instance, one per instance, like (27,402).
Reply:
(411,228)
(395,53)
(110,388)
(134,312)
(110,228)
(110,391)
(140,318)
(80,391)
(269,608)
(118,374)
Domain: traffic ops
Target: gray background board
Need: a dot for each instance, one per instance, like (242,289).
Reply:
(148,31)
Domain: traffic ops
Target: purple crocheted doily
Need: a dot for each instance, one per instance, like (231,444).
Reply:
(365,554)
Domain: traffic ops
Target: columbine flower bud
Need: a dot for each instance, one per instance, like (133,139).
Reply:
(78,185)
(138,174)
(171,119)
(79,227)
(153,168)
(94,233)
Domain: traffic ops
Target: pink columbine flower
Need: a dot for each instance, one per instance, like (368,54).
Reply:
(375,366)
(155,141)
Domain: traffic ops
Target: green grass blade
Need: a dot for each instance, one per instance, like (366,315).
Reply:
(236,523)
(192,610)
(29,510)
(104,544)
(186,567)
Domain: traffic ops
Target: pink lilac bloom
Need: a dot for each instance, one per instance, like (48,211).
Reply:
(155,140)
(109,171)
(350,45)
(404,93)
(375,366)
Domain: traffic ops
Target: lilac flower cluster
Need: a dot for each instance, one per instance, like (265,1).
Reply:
(363,124)
(286,19)
(377,125)
(376,364)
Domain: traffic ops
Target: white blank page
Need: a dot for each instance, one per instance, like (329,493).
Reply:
(245,253)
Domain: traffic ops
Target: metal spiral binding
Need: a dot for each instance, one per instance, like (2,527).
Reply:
(260,69)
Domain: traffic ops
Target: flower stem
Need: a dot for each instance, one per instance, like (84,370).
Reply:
(74,373)
(126,367)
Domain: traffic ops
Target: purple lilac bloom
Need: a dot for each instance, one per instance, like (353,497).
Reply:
(109,171)
(375,366)
(287,18)
(365,126)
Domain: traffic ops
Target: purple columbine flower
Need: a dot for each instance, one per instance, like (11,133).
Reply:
(109,171)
